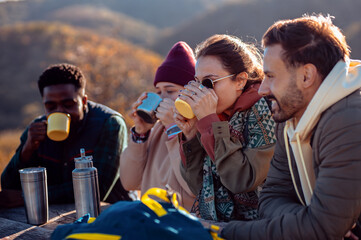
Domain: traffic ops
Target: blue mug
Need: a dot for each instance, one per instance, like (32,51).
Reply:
(148,108)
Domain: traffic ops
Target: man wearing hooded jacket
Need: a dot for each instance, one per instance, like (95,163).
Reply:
(313,186)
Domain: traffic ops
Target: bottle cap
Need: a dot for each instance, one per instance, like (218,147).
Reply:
(83,161)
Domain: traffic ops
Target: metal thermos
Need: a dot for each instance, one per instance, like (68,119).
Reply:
(149,106)
(86,186)
(35,191)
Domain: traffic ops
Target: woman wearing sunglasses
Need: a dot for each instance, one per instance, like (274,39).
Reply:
(228,145)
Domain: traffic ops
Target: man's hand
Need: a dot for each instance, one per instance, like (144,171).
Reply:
(350,234)
(36,134)
(213,226)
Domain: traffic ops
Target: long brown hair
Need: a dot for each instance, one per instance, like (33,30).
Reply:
(235,55)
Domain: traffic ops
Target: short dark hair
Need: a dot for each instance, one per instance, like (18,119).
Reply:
(63,73)
(235,55)
(309,39)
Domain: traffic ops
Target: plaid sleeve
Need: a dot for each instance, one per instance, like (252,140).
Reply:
(112,142)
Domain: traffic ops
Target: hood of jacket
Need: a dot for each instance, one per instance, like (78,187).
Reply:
(344,79)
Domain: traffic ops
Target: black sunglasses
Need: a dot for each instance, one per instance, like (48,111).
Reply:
(209,83)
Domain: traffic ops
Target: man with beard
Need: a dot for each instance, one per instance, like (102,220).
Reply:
(312,189)
(98,129)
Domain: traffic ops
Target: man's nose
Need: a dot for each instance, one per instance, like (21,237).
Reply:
(264,88)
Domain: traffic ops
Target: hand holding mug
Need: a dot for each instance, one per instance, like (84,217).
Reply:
(165,111)
(203,101)
(141,126)
(56,127)
(188,126)
(36,134)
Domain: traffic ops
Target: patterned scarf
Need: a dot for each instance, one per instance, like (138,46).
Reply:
(215,202)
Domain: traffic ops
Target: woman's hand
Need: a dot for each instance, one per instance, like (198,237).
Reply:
(141,126)
(188,126)
(165,111)
(202,100)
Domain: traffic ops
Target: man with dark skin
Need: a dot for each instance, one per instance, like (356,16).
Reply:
(98,129)
(58,98)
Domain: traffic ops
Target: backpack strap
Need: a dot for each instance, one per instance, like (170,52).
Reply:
(162,194)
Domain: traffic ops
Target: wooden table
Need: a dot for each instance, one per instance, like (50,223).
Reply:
(13,223)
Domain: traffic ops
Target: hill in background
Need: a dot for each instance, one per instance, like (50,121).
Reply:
(250,19)
(117,71)
(99,19)
(139,21)
(103,38)
(108,40)
(158,24)
(106,22)
(160,13)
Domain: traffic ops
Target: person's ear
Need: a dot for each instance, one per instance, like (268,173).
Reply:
(241,80)
(310,75)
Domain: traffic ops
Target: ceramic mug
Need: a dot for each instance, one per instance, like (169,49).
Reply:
(183,108)
(58,126)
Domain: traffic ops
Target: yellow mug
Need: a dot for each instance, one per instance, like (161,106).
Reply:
(58,126)
(183,108)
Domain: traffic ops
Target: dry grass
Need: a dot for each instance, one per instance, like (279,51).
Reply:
(9,141)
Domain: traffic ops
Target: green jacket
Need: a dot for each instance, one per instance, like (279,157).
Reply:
(241,150)
(102,133)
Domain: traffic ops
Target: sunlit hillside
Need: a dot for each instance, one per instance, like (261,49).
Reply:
(9,140)
(106,22)
(250,19)
(117,71)
(116,44)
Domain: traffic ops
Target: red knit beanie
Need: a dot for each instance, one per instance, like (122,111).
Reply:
(178,67)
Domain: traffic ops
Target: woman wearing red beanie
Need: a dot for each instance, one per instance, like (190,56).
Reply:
(152,158)
(228,146)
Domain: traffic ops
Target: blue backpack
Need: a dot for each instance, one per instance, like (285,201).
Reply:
(145,219)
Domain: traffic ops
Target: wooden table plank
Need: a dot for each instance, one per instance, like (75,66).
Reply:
(10,229)
(13,222)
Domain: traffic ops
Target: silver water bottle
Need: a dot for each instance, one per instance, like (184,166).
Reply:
(86,186)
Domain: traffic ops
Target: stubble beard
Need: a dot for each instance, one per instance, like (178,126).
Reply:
(290,103)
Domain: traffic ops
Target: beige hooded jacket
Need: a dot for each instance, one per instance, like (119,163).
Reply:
(342,81)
